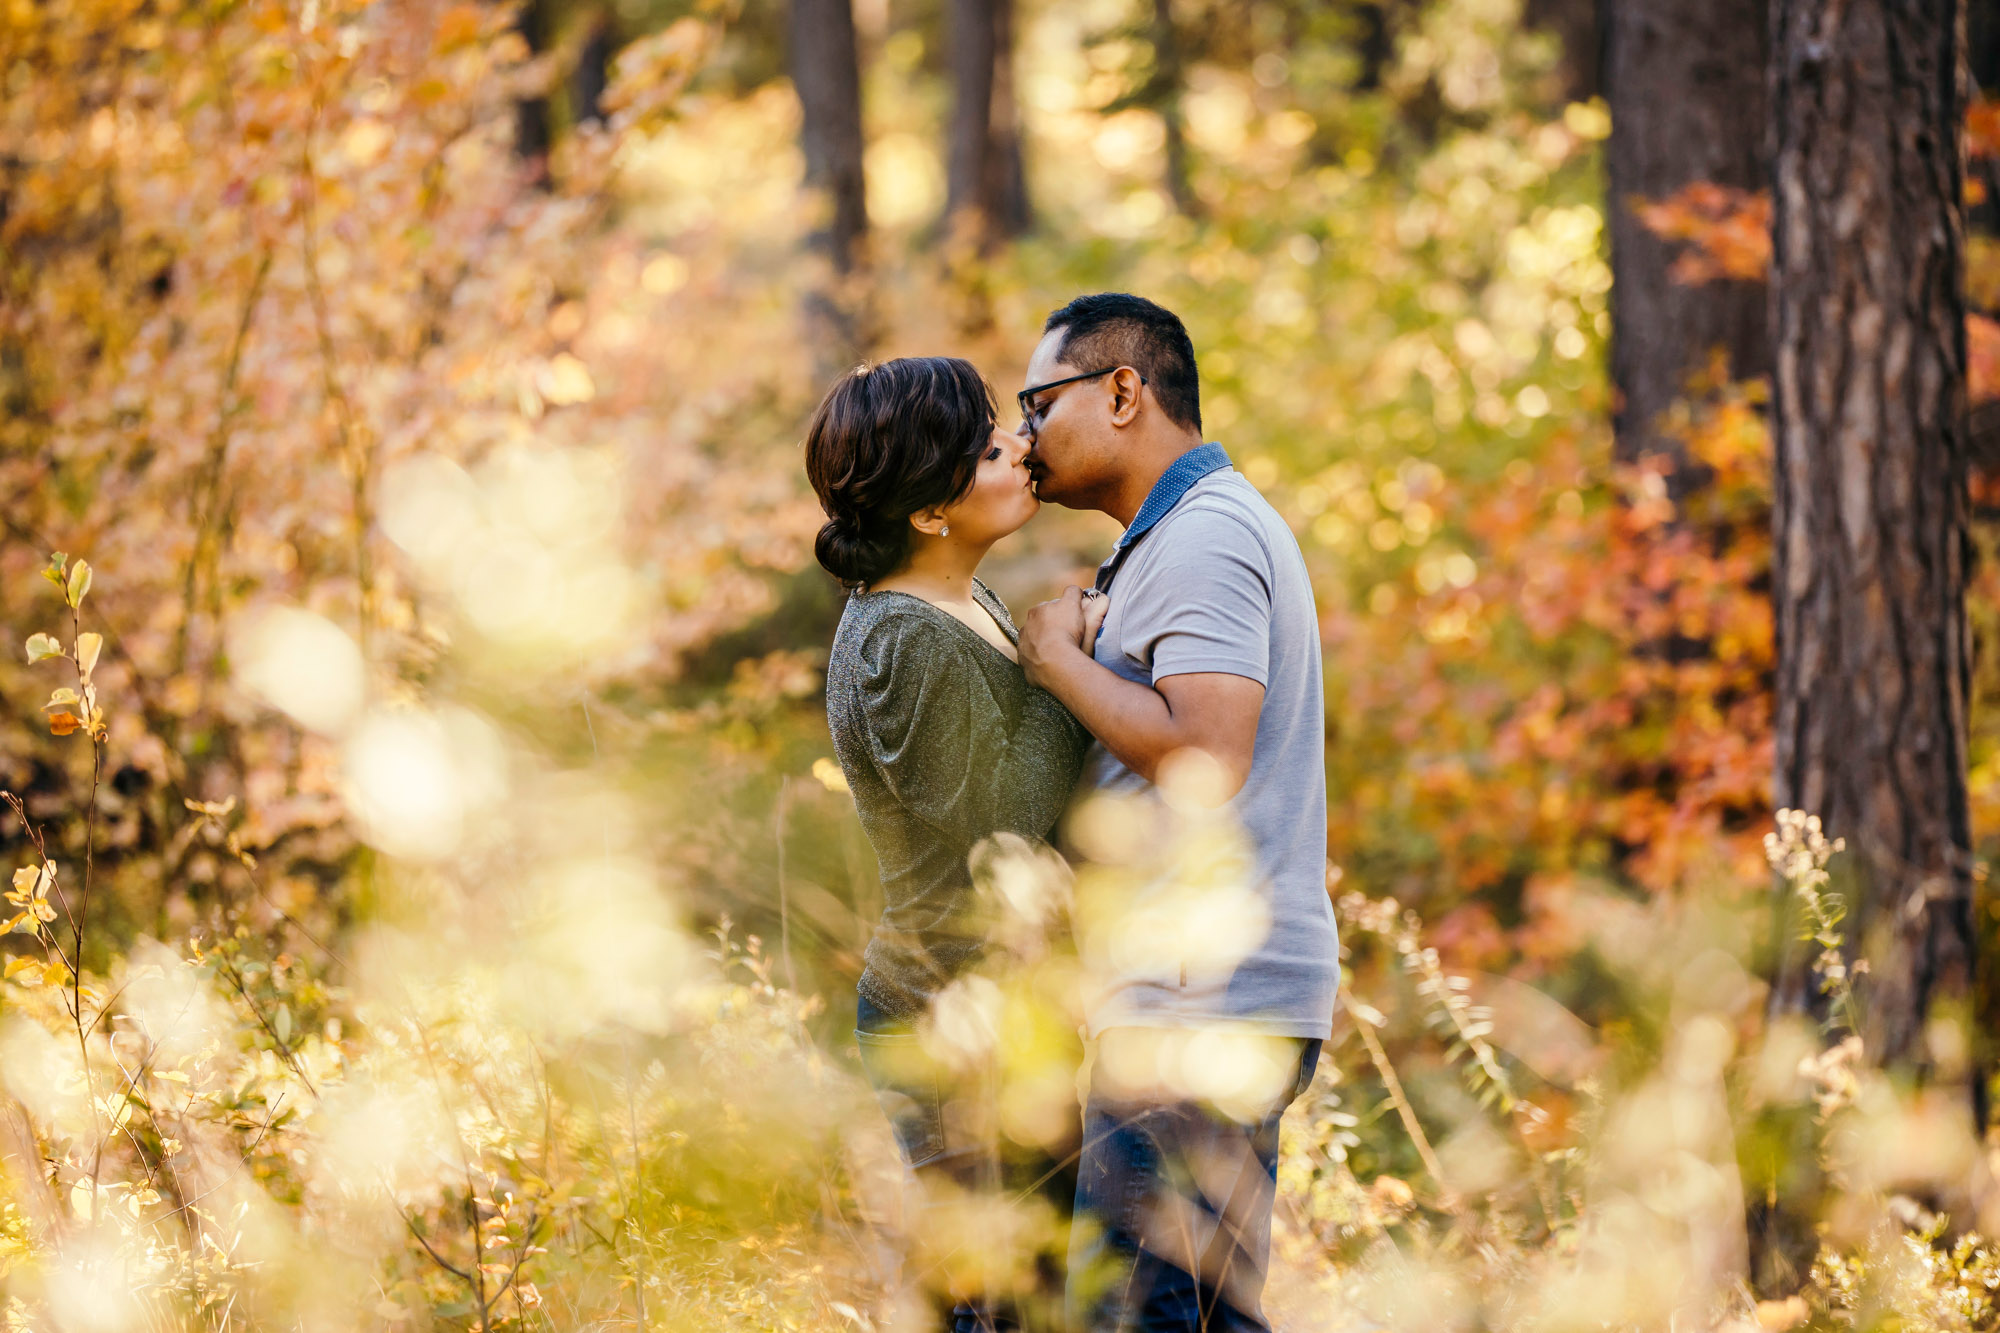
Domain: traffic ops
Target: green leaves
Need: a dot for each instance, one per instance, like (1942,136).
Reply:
(41,647)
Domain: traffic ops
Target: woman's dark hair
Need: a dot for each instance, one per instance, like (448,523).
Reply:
(887,441)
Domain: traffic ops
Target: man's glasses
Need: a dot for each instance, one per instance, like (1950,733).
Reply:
(1032,415)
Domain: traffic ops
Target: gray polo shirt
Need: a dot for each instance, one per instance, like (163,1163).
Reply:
(1225,917)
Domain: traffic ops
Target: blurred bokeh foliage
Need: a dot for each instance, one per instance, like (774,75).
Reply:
(453,922)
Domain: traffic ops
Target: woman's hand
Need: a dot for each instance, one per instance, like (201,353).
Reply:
(1053,629)
(1096,606)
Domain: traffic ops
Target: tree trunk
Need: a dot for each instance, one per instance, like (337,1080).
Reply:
(1164,93)
(826,71)
(986,195)
(592,73)
(1870,545)
(1685,81)
(533,134)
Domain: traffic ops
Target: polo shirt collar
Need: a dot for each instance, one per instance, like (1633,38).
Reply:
(1172,487)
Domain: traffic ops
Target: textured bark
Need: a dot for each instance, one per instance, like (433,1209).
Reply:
(826,71)
(1685,82)
(1870,545)
(986,195)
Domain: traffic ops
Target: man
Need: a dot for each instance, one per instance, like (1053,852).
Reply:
(1205,681)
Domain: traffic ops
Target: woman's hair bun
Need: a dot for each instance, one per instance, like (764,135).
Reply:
(886,442)
(854,556)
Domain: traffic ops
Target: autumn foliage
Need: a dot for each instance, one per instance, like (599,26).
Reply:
(431,901)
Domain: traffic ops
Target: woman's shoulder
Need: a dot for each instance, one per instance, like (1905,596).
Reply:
(882,629)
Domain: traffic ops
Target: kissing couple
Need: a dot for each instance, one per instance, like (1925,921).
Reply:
(1197,650)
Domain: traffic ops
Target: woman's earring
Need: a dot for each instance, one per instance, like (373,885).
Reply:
(945,531)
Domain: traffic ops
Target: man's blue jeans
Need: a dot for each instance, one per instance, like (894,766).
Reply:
(1173,1214)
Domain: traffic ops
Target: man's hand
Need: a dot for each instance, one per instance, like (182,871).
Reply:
(1059,629)
(1210,711)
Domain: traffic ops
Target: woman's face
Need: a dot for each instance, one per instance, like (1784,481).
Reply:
(1002,497)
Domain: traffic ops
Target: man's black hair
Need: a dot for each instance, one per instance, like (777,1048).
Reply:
(1116,329)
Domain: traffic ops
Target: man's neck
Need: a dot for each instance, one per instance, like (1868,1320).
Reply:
(1136,485)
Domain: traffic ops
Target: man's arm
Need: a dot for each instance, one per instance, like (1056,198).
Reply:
(1212,711)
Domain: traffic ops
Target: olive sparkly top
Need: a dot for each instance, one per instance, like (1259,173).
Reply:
(943,743)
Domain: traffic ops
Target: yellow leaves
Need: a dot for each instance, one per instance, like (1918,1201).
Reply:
(30,894)
(565,380)
(650,74)
(365,140)
(828,775)
(78,584)
(1588,120)
(30,973)
(71,710)
(664,275)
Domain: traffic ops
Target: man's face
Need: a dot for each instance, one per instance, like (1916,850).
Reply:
(1069,443)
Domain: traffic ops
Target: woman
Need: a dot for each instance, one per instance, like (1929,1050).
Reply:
(942,739)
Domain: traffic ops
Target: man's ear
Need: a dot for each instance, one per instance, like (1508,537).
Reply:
(1126,386)
(929,521)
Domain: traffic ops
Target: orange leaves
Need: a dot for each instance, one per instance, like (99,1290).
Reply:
(458,28)
(1608,705)
(1982,348)
(1727,231)
(1982,128)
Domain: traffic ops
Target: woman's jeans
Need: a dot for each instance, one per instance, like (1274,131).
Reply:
(943,1121)
(1173,1204)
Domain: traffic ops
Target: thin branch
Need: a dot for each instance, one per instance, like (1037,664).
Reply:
(210,480)
(353,448)
(1408,1114)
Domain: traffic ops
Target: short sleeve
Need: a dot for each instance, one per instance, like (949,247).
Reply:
(1203,601)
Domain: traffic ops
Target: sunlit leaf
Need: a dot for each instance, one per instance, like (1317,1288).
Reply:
(42,646)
